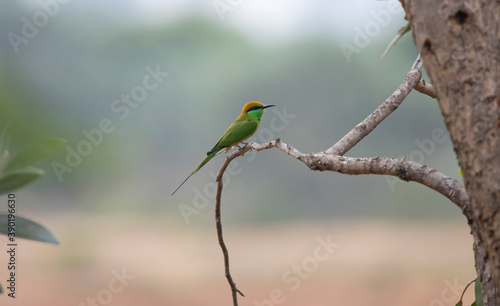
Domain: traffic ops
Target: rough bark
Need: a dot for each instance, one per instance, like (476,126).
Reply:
(459,42)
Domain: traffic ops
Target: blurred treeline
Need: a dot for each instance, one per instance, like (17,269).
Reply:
(65,79)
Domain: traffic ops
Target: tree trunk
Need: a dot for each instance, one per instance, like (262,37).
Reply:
(459,42)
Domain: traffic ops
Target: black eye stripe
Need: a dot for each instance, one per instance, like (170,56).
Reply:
(253,108)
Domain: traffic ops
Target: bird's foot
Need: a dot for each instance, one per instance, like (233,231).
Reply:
(243,143)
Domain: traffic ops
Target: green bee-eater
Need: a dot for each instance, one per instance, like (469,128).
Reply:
(242,128)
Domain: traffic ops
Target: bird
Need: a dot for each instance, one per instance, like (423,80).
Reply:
(240,130)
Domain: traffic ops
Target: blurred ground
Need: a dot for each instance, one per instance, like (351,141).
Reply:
(372,263)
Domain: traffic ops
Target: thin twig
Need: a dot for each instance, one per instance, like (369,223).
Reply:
(218,222)
(417,64)
(465,289)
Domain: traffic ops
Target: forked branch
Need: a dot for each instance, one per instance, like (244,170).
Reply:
(425,88)
(402,168)
(333,160)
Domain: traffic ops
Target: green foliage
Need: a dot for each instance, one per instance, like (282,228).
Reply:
(14,179)
(478,293)
(28,229)
(18,172)
(32,153)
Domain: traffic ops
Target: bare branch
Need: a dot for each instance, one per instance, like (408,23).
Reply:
(421,85)
(218,222)
(402,168)
(425,88)
(417,64)
(322,161)
(332,160)
(364,128)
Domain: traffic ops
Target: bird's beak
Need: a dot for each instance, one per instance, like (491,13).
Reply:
(269,105)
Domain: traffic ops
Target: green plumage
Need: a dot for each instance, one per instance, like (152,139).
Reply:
(242,128)
(239,131)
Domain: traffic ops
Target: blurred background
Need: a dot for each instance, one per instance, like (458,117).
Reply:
(141,89)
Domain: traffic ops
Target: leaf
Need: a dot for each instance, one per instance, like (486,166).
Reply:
(17,178)
(459,303)
(32,153)
(393,42)
(479,293)
(5,156)
(28,229)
